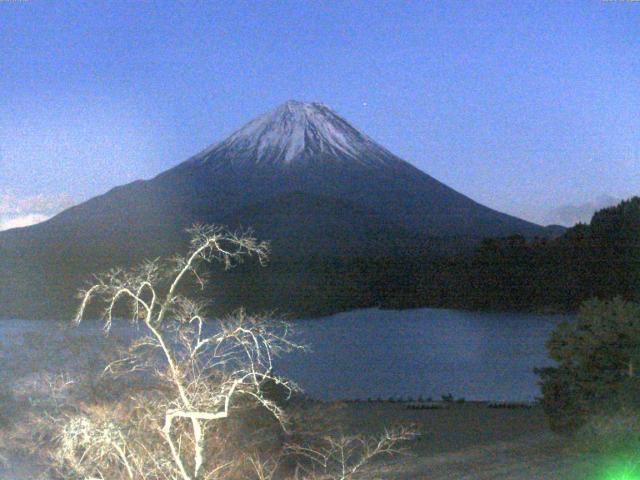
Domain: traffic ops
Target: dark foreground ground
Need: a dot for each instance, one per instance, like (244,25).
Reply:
(464,441)
(472,442)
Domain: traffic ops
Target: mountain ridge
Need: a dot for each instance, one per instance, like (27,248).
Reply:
(293,131)
(331,191)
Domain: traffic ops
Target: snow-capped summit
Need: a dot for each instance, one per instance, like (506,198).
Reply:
(297,132)
(307,148)
(302,177)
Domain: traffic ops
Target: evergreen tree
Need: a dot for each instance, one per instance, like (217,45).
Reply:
(598,363)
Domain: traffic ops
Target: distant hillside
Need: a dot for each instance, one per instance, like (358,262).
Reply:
(601,259)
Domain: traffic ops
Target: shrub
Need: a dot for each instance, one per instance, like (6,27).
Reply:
(598,357)
(611,433)
(448,398)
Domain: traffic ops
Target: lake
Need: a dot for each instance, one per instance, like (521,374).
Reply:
(410,353)
(423,352)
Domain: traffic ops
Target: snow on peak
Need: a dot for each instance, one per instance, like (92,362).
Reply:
(295,130)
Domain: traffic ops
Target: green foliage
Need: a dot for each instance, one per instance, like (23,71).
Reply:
(601,260)
(611,433)
(598,364)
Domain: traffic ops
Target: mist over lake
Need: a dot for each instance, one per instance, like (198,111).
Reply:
(426,352)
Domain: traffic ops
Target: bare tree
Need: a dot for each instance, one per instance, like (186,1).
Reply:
(342,457)
(192,378)
(202,371)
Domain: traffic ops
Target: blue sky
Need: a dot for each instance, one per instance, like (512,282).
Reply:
(526,107)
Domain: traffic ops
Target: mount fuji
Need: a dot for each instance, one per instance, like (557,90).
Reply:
(300,176)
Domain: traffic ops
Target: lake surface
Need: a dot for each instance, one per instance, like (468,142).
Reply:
(410,353)
(430,352)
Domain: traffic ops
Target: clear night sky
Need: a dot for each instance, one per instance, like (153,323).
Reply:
(523,106)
